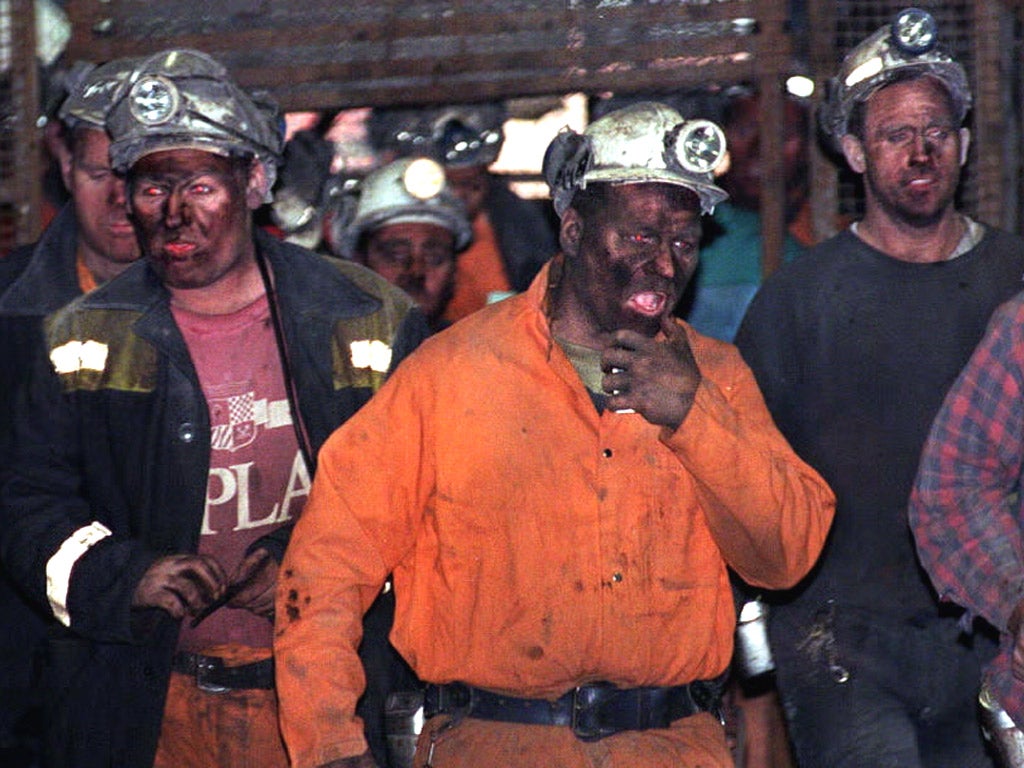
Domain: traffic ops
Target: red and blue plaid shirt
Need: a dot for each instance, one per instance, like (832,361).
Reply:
(965,508)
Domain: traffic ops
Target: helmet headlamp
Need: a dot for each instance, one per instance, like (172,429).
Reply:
(186,99)
(153,100)
(907,46)
(408,190)
(458,142)
(646,142)
(699,145)
(458,135)
(423,179)
(914,31)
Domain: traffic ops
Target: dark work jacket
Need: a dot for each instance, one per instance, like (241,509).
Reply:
(125,441)
(35,280)
(525,230)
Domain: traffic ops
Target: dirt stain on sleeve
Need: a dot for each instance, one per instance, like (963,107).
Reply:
(292,606)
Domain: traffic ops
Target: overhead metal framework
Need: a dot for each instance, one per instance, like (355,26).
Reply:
(325,55)
(322,54)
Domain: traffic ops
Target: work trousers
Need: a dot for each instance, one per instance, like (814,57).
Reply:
(692,742)
(234,728)
(864,690)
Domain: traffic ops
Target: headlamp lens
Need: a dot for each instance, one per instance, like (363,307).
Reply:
(153,100)
(914,31)
(423,179)
(700,146)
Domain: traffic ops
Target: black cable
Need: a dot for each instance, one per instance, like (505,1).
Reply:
(289,383)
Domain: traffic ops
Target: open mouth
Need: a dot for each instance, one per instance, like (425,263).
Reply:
(648,303)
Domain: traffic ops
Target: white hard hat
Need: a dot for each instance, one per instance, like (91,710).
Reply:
(644,142)
(907,44)
(406,190)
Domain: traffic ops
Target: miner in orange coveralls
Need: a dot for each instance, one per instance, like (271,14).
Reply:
(559,485)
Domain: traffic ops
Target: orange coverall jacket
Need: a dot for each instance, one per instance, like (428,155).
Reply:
(535,544)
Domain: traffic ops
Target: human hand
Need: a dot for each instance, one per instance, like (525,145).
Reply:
(251,588)
(253,583)
(657,378)
(180,584)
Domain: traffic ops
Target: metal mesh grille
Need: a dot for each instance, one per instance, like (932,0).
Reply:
(856,19)
(8,117)
(19,160)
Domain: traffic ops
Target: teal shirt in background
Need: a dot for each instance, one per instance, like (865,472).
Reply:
(729,272)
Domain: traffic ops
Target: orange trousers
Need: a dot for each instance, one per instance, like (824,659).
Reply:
(693,742)
(234,728)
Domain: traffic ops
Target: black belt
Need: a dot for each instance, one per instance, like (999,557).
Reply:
(592,711)
(213,676)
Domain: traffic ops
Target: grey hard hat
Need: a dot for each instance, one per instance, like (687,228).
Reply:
(643,142)
(406,190)
(457,135)
(908,44)
(91,90)
(185,99)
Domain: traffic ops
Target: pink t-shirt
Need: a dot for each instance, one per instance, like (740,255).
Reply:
(258,481)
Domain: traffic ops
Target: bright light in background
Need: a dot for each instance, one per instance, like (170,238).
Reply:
(299,121)
(800,86)
(53,30)
(352,151)
(526,140)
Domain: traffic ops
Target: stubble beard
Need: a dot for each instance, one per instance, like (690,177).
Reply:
(902,212)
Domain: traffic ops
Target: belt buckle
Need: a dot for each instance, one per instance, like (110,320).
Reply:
(205,669)
(586,714)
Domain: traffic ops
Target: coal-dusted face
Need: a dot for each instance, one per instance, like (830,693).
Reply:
(630,251)
(192,211)
(911,151)
(98,195)
(419,258)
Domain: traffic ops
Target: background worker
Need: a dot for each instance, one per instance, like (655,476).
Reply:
(409,227)
(512,237)
(731,268)
(88,242)
(559,484)
(854,345)
(169,433)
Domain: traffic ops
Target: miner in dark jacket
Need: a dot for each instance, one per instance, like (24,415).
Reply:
(88,242)
(167,441)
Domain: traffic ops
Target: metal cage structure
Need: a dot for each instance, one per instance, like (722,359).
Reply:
(20,157)
(325,55)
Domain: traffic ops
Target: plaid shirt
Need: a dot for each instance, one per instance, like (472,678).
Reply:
(965,508)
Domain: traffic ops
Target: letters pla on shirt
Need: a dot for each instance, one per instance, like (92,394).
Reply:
(258,480)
